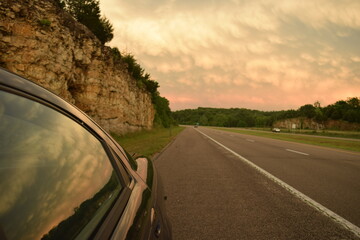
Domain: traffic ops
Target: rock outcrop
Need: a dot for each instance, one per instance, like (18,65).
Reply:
(307,123)
(41,42)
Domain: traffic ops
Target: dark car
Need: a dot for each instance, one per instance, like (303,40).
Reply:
(63,177)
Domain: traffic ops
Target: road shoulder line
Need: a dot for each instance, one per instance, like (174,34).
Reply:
(317,206)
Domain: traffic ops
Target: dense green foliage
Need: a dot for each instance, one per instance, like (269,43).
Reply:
(138,73)
(233,117)
(239,117)
(163,113)
(87,12)
(344,110)
(116,54)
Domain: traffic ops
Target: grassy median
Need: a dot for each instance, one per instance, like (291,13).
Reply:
(147,142)
(325,133)
(346,144)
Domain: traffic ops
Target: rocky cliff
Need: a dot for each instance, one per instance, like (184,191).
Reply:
(306,123)
(41,42)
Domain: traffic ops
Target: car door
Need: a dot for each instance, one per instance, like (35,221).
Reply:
(58,178)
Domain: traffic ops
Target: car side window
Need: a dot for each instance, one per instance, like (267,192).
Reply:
(56,179)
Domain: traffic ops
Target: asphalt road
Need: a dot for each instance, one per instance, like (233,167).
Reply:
(212,194)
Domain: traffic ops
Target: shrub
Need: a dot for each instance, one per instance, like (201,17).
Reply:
(44,22)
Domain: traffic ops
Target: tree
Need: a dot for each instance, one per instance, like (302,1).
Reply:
(260,121)
(336,113)
(116,54)
(87,12)
(151,85)
(163,112)
(319,115)
(133,67)
(231,121)
(220,119)
(106,31)
(317,104)
(307,110)
(354,102)
(203,120)
(352,116)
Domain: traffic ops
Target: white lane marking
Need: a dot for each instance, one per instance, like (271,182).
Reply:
(250,140)
(290,150)
(317,206)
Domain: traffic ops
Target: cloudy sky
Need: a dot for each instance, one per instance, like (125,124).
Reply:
(257,54)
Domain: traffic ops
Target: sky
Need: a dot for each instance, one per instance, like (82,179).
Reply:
(257,54)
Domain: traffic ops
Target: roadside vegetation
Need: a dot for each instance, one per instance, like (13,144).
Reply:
(345,144)
(87,12)
(324,133)
(346,111)
(147,142)
(163,116)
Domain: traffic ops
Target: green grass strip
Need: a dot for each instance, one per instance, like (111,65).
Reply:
(326,133)
(345,144)
(147,142)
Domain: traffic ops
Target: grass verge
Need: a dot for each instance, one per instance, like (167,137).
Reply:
(147,142)
(345,144)
(325,133)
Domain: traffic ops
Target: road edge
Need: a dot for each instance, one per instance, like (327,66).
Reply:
(158,154)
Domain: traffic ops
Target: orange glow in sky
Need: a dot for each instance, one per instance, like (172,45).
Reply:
(258,54)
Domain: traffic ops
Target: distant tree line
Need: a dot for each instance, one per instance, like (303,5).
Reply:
(348,110)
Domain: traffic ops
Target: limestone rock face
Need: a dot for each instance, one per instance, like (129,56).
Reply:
(306,123)
(41,42)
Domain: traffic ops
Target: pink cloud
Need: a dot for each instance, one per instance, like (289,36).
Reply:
(248,54)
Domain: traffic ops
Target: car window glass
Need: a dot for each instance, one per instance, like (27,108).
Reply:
(56,179)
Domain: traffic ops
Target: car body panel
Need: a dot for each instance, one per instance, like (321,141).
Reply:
(138,211)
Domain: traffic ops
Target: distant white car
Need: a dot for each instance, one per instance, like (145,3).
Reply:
(276,129)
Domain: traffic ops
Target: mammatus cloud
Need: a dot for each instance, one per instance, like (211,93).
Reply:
(256,54)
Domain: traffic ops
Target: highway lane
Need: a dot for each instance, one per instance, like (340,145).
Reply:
(213,195)
(330,177)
